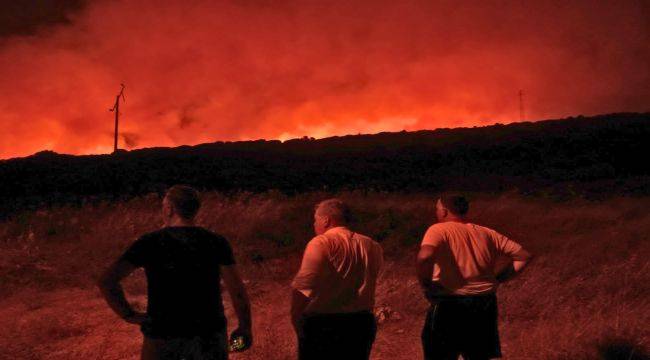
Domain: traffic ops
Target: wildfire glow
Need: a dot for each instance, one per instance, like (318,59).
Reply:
(200,71)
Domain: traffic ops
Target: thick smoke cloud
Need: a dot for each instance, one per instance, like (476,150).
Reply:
(201,71)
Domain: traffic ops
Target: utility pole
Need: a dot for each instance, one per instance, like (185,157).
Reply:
(521,105)
(116,110)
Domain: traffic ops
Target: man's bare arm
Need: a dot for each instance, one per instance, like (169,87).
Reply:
(299,303)
(238,295)
(111,289)
(424,268)
(519,261)
(310,277)
(424,265)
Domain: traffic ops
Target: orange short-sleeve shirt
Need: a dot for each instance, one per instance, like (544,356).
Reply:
(339,272)
(466,256)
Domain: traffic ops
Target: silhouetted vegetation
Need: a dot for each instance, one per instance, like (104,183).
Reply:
(574,156)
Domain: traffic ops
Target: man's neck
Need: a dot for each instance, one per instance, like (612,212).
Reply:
(333,226)
(176,221)
(457,219)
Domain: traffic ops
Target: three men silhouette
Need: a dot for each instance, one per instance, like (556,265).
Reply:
(333,293)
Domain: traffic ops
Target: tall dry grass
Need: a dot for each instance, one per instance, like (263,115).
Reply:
(585,296)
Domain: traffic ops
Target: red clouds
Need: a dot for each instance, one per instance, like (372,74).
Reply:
(201,71)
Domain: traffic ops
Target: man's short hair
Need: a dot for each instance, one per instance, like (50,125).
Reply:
(185,200)
(335,209)
(455,203)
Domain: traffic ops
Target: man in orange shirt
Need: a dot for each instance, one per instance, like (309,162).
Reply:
(334,291)
(456,268)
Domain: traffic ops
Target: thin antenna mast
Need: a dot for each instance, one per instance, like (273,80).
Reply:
(521,105)
(116,110)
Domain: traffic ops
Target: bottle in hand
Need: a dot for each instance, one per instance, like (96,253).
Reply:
(237,344)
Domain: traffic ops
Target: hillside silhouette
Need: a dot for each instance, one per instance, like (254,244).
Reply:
(589,155)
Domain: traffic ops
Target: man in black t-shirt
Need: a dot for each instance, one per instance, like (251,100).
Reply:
(184,264)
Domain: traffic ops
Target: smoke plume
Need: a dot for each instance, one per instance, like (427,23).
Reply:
(199,70)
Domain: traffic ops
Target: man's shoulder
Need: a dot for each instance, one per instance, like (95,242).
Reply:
(193,232)
(209,233)
(442,227)
(449,226)
(318,240)
(375,245)
(484,229)
(152,235)
(326,241)
(442,232)
(367,239)
(211,237)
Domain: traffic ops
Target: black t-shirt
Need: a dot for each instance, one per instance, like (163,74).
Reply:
(183,279)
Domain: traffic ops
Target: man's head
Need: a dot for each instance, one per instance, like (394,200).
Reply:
(451,207)
(181,202)
(330,213)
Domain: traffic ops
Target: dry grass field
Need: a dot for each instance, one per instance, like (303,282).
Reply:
(585,296)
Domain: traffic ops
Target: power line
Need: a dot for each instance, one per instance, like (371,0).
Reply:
(116,110)
(521,106)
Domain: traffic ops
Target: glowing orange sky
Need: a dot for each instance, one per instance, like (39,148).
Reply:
(199,71)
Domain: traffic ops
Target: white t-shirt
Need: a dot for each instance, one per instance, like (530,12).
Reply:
(466,256)
(339,272)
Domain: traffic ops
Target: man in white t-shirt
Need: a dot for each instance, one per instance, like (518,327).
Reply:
(334,291)
(457,269)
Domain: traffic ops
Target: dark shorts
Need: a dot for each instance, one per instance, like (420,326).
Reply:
(462,325)
(202,347)
(337,336)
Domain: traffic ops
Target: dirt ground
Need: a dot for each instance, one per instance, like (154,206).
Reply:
(585,296)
